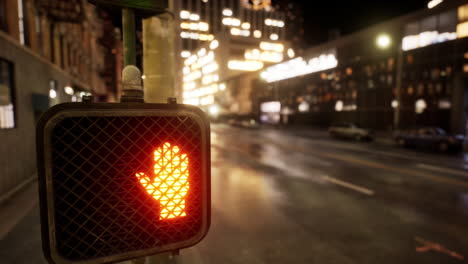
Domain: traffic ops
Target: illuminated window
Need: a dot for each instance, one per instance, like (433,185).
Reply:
(185,54)
(463,13)
(227,12)
(274,36)
(194,17)
(7,109)
(257,34)
(420,105)
(169,183)
(462,30)
(184,14)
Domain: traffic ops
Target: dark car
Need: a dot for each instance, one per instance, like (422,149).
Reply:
(350,131)
(433,138)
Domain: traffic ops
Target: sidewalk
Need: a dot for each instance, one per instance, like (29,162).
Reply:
(13,210)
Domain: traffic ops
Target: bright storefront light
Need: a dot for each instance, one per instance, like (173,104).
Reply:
(245,65)
(298,67)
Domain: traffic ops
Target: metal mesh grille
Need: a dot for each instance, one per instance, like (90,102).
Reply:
(101,209)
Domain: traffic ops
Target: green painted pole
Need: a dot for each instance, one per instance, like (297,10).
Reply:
(128,24)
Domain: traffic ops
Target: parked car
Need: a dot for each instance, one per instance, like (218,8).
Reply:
(244,122)
(433,138)
(350,131)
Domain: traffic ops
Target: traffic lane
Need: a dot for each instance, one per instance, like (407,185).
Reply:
(390,178)
(262,214)
(451,160)
(432,164)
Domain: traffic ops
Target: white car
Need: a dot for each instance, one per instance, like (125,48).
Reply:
(350,131)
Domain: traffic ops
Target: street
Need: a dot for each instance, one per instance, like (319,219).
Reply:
(279,197)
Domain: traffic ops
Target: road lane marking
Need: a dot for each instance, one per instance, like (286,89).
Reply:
(349,185)
(373,164)
(367,163)
(442,169)
(427,245)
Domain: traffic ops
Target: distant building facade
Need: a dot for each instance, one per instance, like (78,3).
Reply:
(409,71)
(50,52)
(221,43)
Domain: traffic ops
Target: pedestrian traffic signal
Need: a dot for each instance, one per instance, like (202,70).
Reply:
(122,181)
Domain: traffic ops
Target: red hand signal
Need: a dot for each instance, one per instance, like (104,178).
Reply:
(169,184)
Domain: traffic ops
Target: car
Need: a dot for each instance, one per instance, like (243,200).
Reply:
(244,122)
(433,138)
(350,131)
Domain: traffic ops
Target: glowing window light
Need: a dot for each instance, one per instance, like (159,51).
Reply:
(227,21)
(222,87)
(278,47)
(214,44)
(205,37)
(207,79)
(206,59)
(192,101)
(303,107)
(186,70)
(194,17)
(69,90)
(270,107)
(257,34)
(394,104)
(210,68)
(291,53)
(245,65)
(192,76)
(52,93)
(190,86)
(339,106)
(184,34)
(201,52)
(193,35)
(420,105)
(274,22)
(184,14)
(190,60)
(235,31)
(193,26)
(169,184)
(434,3)
(428,38)
(207,100)
(203,26)
(245,25)
(245,33)
(266,56)
(185,25)
(185,54)
(235,22)
(462,30)
(274,36)
(227,12)
(298,67)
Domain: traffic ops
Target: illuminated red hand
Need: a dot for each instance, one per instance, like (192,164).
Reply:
(169,184)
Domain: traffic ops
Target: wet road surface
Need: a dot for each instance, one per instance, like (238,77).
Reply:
(282,198)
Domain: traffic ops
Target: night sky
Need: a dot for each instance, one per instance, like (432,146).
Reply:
(350,15)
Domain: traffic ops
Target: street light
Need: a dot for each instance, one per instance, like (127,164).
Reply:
(383,41)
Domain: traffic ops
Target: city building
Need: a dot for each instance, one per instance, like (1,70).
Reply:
(221,43)
(50,52)
(407,72)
